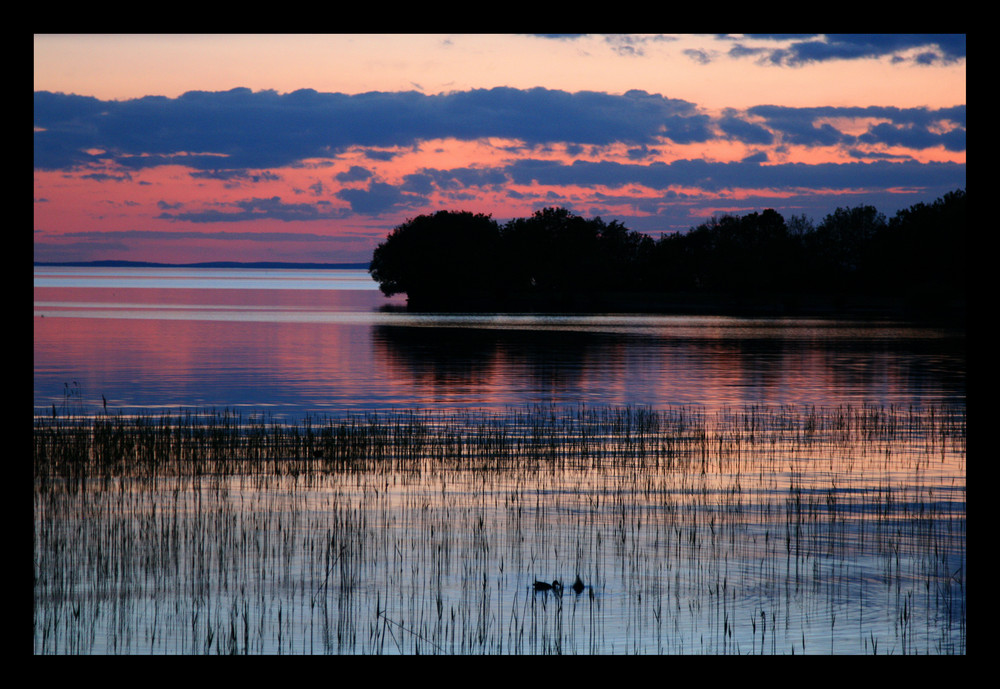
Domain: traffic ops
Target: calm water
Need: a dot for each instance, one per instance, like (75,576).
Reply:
(741,521)
(322,342)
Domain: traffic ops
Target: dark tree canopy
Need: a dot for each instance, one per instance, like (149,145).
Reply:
(463,260)
(556,250)
(430,255)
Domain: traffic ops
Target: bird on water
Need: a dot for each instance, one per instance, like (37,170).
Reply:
(545,586)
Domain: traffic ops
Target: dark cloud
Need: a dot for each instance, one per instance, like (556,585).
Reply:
(640,153)
(738,128)
(374,154)
(257,209)
(219,134)
(241,129)
(462,178)
(918,128)
(627,45)
(236,176)
(355,174)
(748,173)
(805,48)
(105,177)
(380,198)
(560,36)
(914,136)
(702,57)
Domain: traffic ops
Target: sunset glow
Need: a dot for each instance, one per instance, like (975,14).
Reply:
(312,148)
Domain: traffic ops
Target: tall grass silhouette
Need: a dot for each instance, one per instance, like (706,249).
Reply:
(763,529)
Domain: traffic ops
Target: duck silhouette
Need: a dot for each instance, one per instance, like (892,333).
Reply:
(545,586)
(578,585)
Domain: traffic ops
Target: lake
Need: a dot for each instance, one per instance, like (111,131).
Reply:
(298,342)
(285,461)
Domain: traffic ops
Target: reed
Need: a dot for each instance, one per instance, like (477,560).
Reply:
(763,529)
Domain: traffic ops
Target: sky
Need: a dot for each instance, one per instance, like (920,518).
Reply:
(311,148)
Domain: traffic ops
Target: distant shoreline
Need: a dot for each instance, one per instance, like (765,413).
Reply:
(203,264)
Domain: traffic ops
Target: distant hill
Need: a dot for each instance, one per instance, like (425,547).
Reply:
(206,264)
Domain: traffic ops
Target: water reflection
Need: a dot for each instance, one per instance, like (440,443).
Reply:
(324,349)
(713,364)
(202,278)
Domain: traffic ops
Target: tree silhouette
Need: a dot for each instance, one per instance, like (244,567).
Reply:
(433,259)
(844,248)
(926,247)
(555,258)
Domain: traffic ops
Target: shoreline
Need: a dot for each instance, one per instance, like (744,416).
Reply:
(943,309)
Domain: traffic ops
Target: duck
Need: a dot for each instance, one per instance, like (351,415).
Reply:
(578,585)
(545,586)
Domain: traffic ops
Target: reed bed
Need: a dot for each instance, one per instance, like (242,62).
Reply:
(764,529)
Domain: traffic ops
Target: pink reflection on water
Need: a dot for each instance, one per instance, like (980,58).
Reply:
(327,350)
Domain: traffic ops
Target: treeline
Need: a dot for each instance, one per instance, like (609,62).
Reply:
(556,259)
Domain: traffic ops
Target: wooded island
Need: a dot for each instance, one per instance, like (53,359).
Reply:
(554,260)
